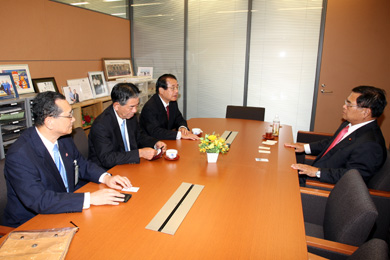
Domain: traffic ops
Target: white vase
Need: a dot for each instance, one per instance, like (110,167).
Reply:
(212,157)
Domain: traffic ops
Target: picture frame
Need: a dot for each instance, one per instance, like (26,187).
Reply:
(82,88)
(21,76)
(145,72)
(117,68)
(45,84)
(7,86)
(98,83)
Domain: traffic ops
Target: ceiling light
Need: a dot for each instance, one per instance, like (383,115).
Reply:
(80,3)
(137,5)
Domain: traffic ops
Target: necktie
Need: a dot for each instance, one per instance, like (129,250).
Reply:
(60,167)
(337,139)
(168,112)
(124,135)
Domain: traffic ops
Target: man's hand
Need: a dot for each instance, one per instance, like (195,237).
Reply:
(117,182)
(299,147)
(184,131)
(305,169)
(161,145)
(189,136)
(147,153)
(106,197)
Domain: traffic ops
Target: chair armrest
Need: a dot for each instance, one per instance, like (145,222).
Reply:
(308,137)
(4,230)
(329,186)
(315,192)
(330,245)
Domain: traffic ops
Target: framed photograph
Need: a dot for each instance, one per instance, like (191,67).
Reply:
(81,90)
(145,72)
(7,86)
(98,84)
(21,77)
(45,84)
(117,68)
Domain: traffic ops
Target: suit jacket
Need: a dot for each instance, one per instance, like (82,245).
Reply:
(106,147)
(154,119)
(364,150)
(34,184)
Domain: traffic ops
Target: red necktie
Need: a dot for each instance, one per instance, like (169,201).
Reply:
(168,112)
(337,139)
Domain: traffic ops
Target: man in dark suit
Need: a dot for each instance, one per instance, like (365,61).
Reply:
(357,144)
(115,136)
(35,184)
(161,117)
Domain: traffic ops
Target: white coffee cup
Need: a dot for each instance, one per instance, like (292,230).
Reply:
(171,153)
(196,131)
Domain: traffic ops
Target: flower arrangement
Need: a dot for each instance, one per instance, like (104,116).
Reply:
(213,144)
(87,120)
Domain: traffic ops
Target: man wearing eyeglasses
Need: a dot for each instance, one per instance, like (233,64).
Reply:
(357,144)
(161,117)
(43,166)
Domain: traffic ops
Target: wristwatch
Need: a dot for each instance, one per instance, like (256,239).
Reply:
(318,174)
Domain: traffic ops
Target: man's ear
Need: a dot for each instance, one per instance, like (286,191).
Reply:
(49,122)
(116,105)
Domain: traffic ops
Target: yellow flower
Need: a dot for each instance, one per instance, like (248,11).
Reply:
(212,137)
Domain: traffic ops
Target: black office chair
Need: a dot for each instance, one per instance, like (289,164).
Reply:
(375,249)
(346,216)
(81,141)
(240,112)
(3,199)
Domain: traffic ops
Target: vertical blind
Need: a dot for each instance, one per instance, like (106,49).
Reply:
(282,58)
(158,38)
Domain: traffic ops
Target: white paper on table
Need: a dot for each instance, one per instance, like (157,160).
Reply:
(261,160)
(270,142)
(262,151)
(131,189)
(264,147)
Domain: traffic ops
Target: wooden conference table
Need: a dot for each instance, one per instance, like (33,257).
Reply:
(247,209)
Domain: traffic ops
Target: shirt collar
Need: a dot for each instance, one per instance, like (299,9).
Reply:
(357,126)
(49,145)
(120,120)
(165,104)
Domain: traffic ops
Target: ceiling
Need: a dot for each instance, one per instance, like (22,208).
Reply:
(118,8)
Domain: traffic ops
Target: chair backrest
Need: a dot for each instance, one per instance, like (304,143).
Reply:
(81,141)
(381,180)
(375,249)
(240,112)
(3,190)
(350,213)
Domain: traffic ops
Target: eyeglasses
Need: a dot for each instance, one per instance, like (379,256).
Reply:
(173,88)
(70,115)
(349,104)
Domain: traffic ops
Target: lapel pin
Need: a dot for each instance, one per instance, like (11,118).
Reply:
(66,154)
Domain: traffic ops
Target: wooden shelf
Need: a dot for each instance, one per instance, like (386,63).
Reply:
(92,107)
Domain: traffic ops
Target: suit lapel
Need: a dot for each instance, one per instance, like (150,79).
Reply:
(115,127)
(68,164)
(46,160)
(163,111)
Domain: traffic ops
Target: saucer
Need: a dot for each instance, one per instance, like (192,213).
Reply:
(272,138)
(174,159)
